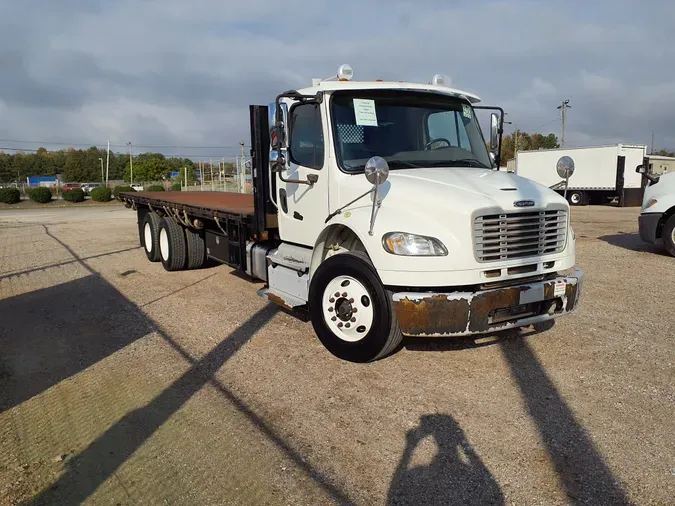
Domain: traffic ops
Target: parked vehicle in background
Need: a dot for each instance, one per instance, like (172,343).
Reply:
(70,186)
(87,187)
(602,173)
(137,187)
(657,220)
(379,210)
(659,165)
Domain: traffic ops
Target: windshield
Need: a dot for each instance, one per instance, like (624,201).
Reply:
(407,129)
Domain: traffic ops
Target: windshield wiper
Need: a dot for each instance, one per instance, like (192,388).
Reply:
(409,165)
(471,162)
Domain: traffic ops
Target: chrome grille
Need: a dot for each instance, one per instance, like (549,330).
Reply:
(519,235)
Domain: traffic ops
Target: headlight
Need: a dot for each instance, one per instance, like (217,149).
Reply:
(401,243)
(650,203)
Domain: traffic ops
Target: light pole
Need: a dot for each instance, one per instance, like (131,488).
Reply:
(107,164)
(101,159)
(131,164)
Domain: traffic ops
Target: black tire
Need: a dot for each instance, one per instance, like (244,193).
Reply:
(384,335)
(196,248)
(173,252)
(577,198)
(668,235)
(151,224)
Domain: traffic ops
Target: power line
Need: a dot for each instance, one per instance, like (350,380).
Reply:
(176,155)
(545,124)
(237,147)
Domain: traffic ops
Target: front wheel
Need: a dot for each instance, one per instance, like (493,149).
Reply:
(351,312)
(668,234)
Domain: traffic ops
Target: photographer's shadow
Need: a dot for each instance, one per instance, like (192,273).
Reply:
(456,475)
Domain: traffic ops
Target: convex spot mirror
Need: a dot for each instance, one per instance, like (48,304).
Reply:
(277,161)
(565,167)
(377,170)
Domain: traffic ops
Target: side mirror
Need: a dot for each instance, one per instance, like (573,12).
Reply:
(278,136)
(494,132)
(377,170)
(640,169)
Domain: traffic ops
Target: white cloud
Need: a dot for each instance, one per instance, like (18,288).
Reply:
(184,72)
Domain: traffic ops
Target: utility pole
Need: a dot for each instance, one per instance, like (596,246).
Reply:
(185,174)
(242,170)
(102,178)
(107,164)
(564,106)
(131,164)
(652,150)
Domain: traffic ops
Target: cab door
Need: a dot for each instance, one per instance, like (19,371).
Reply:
(303,207)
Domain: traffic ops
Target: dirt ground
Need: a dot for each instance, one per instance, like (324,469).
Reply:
(122,384)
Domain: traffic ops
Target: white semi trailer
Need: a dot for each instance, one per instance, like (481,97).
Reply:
(602,173)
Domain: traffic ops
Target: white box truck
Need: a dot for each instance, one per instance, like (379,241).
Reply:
(378,209)
(602,173)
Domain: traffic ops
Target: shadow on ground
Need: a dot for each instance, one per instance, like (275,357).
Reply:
(456,475)
(52,334)
(583,474)
(56,332)
(633,242)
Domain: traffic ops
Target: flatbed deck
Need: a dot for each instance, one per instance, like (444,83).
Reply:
(205,204)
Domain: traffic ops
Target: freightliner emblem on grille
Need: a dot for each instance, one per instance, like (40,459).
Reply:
(524,203)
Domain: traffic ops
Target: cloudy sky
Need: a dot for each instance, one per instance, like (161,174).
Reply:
(182,73)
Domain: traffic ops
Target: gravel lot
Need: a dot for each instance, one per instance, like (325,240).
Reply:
(124,384)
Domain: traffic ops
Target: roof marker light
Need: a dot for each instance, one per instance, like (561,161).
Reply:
(438,80)
(345,73)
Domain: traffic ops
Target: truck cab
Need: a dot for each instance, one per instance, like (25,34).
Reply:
(657,219)
(380,209)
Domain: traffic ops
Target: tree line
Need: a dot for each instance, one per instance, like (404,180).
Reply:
(84,165)
(523,141)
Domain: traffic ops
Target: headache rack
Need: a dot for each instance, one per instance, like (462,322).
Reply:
(513,235)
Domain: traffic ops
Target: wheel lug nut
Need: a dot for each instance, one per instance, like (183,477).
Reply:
(340,325)
(344,294)
(353,320)
(330,310)
(331,300)
(347,325)
(333,318)
(337,294)
(351,301)
(354,310)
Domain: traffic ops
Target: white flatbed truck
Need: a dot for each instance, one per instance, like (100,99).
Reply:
(378,208)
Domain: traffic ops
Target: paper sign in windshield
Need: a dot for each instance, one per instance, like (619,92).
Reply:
(364,110)
(466,111)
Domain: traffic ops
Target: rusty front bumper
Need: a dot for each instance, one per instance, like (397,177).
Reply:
(463,313)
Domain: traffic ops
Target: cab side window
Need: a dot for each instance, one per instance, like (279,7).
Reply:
(306,134)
